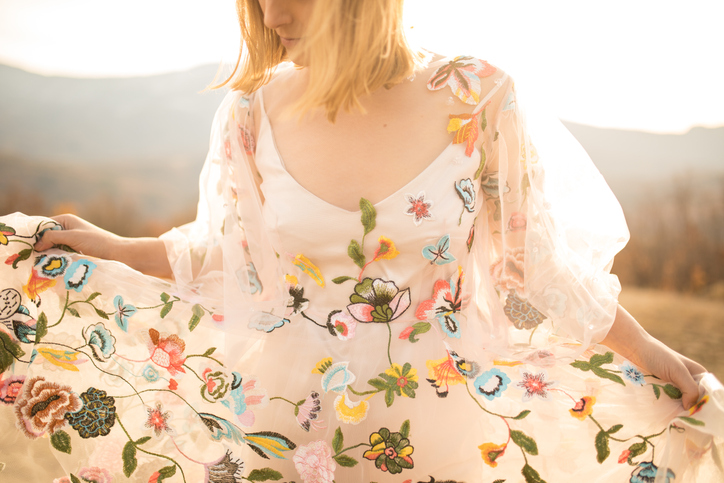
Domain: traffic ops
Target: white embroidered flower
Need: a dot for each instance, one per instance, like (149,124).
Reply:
(314,463)
(419,208)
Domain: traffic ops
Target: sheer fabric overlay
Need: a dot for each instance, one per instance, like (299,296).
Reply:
(446,333)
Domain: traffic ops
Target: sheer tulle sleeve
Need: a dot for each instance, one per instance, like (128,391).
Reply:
(545,249)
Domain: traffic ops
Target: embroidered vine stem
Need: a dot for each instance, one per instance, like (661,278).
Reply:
(21,241)
(364,393)
(313,321)
(351,447)
(149,452)
(389,343)
(283,399)
(487,411)
(194,373)
(205,356)
(530,339)
(65,309)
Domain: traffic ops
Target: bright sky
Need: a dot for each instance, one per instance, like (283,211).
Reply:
(639,64)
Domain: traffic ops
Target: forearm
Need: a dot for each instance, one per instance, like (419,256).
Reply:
(147,255)
(626,334)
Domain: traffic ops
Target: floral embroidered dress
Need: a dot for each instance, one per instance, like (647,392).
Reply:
(444,334)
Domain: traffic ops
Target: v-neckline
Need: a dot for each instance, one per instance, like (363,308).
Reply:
(265,123)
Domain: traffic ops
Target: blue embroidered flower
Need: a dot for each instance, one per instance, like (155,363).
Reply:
(439,253)
(492,383)
(100,340)
(96,417)
(123,312)
(244,395)
(336,378)
(466,192)
(251,276)
(646,472)
(52,266)
(632,374)
(78,274)
(266,322)
(150,374)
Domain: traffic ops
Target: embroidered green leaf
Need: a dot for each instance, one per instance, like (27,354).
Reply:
(525,442)
(73,312)
(389,396)
(342,279)
(636,449)
(499,481)
(198,312)
(92,296)
(657,390)
(405,429)
(338,440)
(604,374)
(600,359)
(522,414)
(74,479)
(481,166)
(129,459)
(165,297)
(22,255)
(693,421)
(264,474)
(582,365)
(378,384)
(61,441)
(672,391)
(101,314)
(531,475)
(346,461)
(602,450)
(355,253)
(9,350)
(483,121)
(209,351)
(41,327)
(166,472)
(143,440)
(369,215)
(417,329)
(615,428)
(166,309)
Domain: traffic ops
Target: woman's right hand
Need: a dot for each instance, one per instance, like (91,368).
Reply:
(147,255)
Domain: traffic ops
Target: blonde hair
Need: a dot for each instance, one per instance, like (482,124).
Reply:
(351,48)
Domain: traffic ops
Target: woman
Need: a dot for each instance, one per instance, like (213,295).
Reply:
(386,281)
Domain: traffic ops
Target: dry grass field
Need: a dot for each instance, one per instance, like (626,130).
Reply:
(691,325)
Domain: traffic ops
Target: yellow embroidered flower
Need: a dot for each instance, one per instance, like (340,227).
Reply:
(697,407)
(306,265)
(583,408)
(403,376)
(442,374)
(67,359)
(322,366)
(490,452)
(386,250)
(350,412)
(291,280)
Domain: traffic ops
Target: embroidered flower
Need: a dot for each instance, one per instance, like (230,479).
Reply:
(322,366)
(65,359)
(465,127)
(646,472)
(419,208)
(699,404)
(442,374)
(521,312)
(491,452)
(123,312)
(5,232)
(541,358)
(386,250)
(10,388)
(94,475)
(341,325)
(463,75)
(517,222)
(390,451)
(337,377)
(439,253)
(445,304)
(401,380)
(42,405)
(509,271)
(535,385)
(10,300)
(632,374)
(307,413)
(490,184)
(150,374)
(63,479)
(78,274)
(97,416)
(100,340)
(225,469)
(465,367)
(491,384)
(314,463)
(296,301)
(266,322)
(158,419)
(583,408)
(350,412)
(623,458)
(245,397)
(167,352)
(378,301)
(36,285)
(247,140)
(216,385)
(51,266)
(466,192)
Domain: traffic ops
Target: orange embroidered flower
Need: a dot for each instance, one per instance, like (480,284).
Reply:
(583,408)
(386,250)
(442,374)
(167,352)
(697,407)
(37,284)
(42,406)
(490,453)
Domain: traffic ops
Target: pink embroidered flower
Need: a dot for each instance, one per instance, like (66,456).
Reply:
(541,358)
(509,271)
(308,412)
(314,463)
(10,388)
(247,140)
(378,301)
(419,208)
(624,456)
(95,474)
(445,304)
(167,352)
(463,75)
(42,405)
(517,222)
(535,385)
(244,395)
(341,324)
(157,420)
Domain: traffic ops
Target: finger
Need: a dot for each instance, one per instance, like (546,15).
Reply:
(52,238)
(687,385)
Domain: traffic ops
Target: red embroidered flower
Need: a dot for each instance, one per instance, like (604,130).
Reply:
(158,420)
(10,388)
(624,456)
(535,385)
(419,208)
(167,352)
